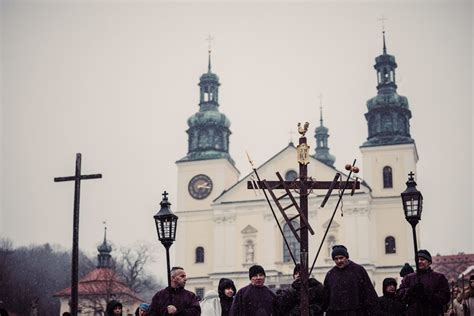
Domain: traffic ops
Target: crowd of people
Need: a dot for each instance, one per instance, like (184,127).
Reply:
(346,291)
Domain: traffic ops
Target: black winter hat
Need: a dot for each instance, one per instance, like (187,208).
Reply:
(256,269)
(425,254)
(339,250)
(471,277)
(406,269)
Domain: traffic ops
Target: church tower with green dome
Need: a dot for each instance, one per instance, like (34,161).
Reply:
(208,133)
(204,174)
(388,113)
(389,153)
(322,150)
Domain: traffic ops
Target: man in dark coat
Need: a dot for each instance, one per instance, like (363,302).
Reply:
(289,301)
(389,304)
(426,292)
(226,291)
(348,288)
(174,299)
(254,299)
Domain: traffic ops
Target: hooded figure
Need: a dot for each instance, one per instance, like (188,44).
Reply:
(210,304)
(389,304)
(111,307)
(226,292)
(289,301)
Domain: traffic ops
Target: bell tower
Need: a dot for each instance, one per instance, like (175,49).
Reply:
(389,153)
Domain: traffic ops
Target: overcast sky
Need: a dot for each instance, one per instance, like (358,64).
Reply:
(117,82)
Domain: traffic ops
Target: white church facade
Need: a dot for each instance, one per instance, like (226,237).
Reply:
(224,228)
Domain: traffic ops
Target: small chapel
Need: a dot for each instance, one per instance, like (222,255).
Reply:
(225,228)
(100,286)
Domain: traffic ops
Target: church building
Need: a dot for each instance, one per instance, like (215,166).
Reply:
(100,286)
(225,227)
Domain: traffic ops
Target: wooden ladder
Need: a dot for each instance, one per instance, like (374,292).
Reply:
(288,220)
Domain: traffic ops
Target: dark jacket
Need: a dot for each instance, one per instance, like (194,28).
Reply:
(226,302)
(349,291)
(289,301)
(426,293)
(254,301)
(389,303)
(185,301)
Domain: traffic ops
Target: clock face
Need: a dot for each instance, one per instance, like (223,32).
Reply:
(200,186)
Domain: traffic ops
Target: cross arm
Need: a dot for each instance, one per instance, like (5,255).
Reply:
(83,177)
(297,184)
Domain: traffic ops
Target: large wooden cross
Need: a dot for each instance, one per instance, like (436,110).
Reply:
(75,235)
(304,185)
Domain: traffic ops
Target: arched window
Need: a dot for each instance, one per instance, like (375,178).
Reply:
(387,177)
(390,246)
(199,255)
(292,242)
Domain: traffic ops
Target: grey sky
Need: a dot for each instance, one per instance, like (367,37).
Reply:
(117,81)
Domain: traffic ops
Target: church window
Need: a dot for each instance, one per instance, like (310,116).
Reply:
(387,177)
(292,242)
(390,246)
(291,175)
(199,255)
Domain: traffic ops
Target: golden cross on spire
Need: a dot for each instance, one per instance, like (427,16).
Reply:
(383,19)
(209,39)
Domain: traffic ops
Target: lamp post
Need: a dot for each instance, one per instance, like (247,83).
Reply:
(412,206)
(166,223)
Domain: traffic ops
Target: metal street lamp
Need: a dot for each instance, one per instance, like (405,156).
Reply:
(412,206)
(166,223)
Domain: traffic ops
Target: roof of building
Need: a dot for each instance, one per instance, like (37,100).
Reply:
(452,266)
(101,281)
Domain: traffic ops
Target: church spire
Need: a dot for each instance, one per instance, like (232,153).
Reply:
(388,113)
(208,133)
(321,134)
(104,257)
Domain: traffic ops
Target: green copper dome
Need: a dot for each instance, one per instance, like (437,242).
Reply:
(322,150)
(388,115)
(208,132)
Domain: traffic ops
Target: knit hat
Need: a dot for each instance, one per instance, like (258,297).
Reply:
(406,269)
(471,278)
(256,269)
(144,306)
(339,250)
(425,255)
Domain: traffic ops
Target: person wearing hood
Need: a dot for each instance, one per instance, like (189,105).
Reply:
(426,292)
(210,304)
(254,299)
(389,304)
(114,308)
(226,290)
(289,301)
(348,289)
